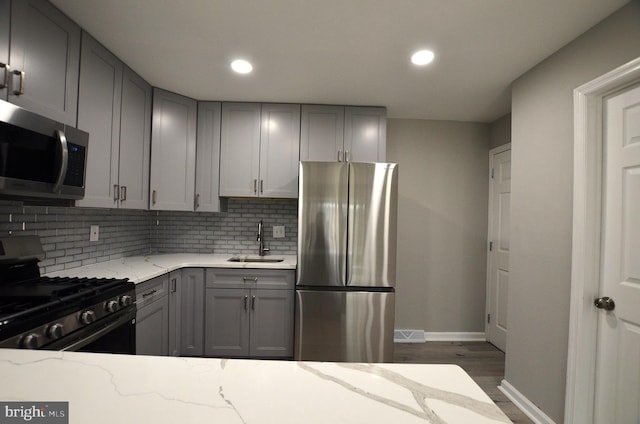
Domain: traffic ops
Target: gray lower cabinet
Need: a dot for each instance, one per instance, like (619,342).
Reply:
(152,319)
(191,312)
(175,279)
(249,313)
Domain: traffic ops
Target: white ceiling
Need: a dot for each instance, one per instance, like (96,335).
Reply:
(352,52)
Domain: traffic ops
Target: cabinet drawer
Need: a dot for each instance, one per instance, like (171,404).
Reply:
(152,290)
(250,278)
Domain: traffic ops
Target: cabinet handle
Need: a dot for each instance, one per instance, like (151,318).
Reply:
(254,279)
(340,155)
(347,156)
(20,90)
(5,78)
(149,293)
(245,302)
(253,303)
(123,193)
(173,285)
(154,196)
(261,186)
(116,193)
(255,186)
(197,204)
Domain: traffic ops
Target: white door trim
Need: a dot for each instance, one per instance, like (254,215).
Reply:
(490,230)
(585,263)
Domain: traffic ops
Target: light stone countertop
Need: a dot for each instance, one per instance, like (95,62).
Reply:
(106,389)
(142,268)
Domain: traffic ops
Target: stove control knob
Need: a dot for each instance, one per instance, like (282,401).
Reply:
(125,300)
(111,306)
(30,341)
(87,317)
(54,331)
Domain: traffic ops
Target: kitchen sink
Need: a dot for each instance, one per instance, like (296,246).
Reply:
(250,259)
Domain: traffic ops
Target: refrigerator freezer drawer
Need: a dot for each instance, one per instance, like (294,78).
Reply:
(344,326)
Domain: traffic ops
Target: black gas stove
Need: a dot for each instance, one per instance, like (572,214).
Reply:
(61,313)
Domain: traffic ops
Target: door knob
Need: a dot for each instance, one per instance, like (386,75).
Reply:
(605,303)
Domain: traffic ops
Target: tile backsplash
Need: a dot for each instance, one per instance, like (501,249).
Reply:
(64,231)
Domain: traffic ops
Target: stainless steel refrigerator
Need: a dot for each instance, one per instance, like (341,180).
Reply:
(345,284)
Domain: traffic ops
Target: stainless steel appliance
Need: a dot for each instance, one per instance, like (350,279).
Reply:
(345,288)
(40,158)
(77,314)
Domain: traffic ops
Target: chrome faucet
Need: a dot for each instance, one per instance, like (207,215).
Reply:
(262,250)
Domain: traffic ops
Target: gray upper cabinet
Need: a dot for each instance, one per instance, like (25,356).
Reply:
(135,141)
(208,157)
(99,114)
(44,56)
(173,152)
(115,108)
(240,149)
(365,134)
(259,150)
(343,134)
(5,10)
(279,150)
(322,133)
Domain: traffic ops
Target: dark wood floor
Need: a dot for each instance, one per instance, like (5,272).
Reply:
(481,360)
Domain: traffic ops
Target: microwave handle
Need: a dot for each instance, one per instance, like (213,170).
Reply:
(62,140)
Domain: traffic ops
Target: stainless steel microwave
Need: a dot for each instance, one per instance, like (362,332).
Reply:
(39,157)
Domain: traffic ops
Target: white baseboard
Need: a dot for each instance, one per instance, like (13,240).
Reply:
(421,336)
(524,404)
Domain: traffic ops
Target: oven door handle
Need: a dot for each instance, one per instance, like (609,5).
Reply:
(98,334)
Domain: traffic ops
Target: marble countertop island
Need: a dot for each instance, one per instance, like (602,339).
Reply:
(142,268)
(106,389)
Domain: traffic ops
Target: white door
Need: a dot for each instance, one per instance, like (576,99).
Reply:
(498,256)
(618,347)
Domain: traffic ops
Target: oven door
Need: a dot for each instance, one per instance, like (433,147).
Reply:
(114,334)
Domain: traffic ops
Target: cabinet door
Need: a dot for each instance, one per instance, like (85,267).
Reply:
(240,149)
(152,329)
(279,150)
(271,323)
(173,151)
(208,157)
(135,141)
(175,316)
(99,115)
(45,45)
(365,134)
(191,290)
(5,10)
(321,133)
(227,322)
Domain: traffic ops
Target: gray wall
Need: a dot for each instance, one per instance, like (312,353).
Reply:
(442,223)
(541,208)
(500,131)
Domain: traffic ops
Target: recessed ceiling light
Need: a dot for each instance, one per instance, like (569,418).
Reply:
(241,66)
(422,57)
